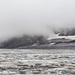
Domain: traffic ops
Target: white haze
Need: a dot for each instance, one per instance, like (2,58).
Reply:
(35,17)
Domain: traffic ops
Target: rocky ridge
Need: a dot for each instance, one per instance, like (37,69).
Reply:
(38,42)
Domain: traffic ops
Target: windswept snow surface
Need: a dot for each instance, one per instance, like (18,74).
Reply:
(41,62)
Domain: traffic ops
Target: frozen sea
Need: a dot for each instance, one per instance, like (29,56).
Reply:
(37,61)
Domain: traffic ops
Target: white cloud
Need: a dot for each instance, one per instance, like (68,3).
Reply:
(35,16)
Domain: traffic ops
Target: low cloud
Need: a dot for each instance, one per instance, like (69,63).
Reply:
(31,17)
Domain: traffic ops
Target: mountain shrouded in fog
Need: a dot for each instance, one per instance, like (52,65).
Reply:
(35,17)
(21,20)
(38,42)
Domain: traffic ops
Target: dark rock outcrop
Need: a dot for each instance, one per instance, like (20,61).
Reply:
(65,32)
(24,41)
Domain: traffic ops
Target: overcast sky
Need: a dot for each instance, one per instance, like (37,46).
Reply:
(18,17)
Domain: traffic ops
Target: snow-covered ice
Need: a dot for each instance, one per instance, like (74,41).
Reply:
(24,61)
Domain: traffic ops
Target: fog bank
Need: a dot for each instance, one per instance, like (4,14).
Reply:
(35,17)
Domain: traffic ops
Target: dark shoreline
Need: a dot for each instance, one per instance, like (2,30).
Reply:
(49,48)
